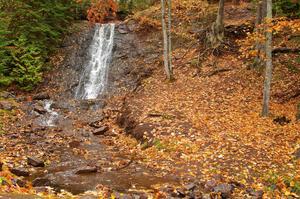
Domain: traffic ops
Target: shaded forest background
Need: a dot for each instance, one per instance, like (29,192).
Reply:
(31,30)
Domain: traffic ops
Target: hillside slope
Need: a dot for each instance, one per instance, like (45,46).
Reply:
(206,126)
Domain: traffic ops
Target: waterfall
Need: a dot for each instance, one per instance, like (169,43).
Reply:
(94,78)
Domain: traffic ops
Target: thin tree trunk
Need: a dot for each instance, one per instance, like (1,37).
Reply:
(217,35)
(269,67)
(258,21)
(170,38)
(220,20)
(260,15)
(165,40)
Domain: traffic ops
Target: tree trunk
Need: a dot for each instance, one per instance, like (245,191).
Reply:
(170,39)
(268,71)
(258,21)
(220,21)
(217,35)
(165,39)
(260,15)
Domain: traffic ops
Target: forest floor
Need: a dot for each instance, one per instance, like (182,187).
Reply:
(205,127)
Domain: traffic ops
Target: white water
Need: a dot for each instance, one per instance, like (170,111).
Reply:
(93,81)
(51,116)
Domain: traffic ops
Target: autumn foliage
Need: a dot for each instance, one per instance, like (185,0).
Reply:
(100,10)
(279,26)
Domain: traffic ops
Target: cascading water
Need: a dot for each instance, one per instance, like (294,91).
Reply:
(50,118)
(93,81)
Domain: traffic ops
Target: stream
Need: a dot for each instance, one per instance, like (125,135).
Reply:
(88,160)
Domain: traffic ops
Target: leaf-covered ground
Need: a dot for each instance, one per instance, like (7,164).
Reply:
(207,122)
(205,126)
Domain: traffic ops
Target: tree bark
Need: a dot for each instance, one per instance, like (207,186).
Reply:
(269,67)
(217,35)
(220,18)
(165,40)
(170,38)
(261,13)
(258,46)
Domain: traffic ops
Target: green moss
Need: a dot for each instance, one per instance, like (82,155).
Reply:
(158,144)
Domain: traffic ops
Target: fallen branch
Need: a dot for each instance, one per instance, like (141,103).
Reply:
(218,71)
(286,50)
(126,165)
(155,115)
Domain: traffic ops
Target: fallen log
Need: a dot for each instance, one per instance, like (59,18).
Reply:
(286,50)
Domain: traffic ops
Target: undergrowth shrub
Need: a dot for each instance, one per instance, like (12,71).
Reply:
(29,31)
(287,8)
(127,7)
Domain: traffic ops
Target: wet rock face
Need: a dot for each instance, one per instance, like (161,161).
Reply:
(131,55)
(72,56)
(128,65)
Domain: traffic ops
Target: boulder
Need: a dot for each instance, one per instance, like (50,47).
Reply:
(210,184)
(35,162)
(19,171)
(96,122)
(224,189)
(190,186)
(86,170)
(256,194)
(101,130)
(40,182)
(19,182)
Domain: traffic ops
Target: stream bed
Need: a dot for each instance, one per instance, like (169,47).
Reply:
(72,134)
